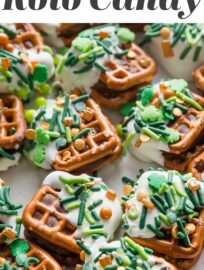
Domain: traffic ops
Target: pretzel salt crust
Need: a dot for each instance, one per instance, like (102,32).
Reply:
(60,217)
(46,261)
(117,254)
(12,129)
(177,47)
(158,220)
(25,64)
(97,145)
(170,127)
(114,73)
(198,76)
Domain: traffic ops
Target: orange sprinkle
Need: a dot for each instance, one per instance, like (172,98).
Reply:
(6,63)
(111,195)
(103,34)
(104,261)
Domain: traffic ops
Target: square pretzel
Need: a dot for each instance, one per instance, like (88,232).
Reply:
(11,117)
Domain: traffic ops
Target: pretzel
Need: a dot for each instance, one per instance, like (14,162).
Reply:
(46,260)
(101,147)
(95,155)
(46,222)
(196,166)
(198,76)
(182,162)
(27,37)
(169,245)
(124,73)
(12,116)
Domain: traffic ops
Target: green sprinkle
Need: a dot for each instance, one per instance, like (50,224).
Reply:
(168,198)
(108,249)
(81,213)
(150,133)
(69,189)
(189,100)
(178,191)
(20,74)
(101,67)
(74,180)
(158,233)
(68,200)
(158,205)
(200,197)
(95,215)
(83,69)
(133,212)
(74,205)
(192,197)
(163,188)
(83,247)
(186,239)
(94,231)
(164,219)
(125,34)
(185,52)
(61,143)
(41,113)
(79,190)
(6,154)
(96,226)
(156,180)
(65,109)
(53,134)
(140,250)
(111,267)
(95,204)
(143,217)
(157,222)
(80,98)
(81,134)
(161,200)
(53,120)
(146,94)
(40,73)
(128,140)
(8,30)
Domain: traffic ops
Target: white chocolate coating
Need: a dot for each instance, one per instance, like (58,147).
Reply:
(110,225)
(49,32)
(6,163)
(86,80)
(117,244)
(134,229)
(42,57)
(175,67)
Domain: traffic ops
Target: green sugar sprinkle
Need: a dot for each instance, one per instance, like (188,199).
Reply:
(74,205)
(5,154)
(74,180)
(83,247)
(95,204)
(94,231)
(81,134)
(158,233)
(143,217)
(81,213)
(140,250)
(80,98)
